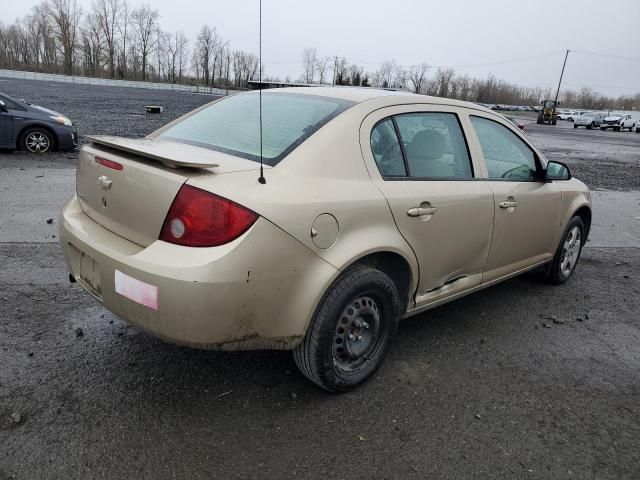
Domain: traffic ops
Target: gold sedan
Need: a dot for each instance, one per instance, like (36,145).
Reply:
(373,206)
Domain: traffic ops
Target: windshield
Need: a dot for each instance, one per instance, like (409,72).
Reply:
(232,125)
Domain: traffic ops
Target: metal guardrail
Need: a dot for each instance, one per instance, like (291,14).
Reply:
(20,75)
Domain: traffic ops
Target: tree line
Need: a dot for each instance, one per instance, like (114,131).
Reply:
(119,40)
(444,82)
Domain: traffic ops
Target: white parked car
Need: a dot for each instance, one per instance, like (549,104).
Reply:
(564,115)
(630,121)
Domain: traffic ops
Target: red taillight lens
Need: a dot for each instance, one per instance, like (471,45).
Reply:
(109,163)
(198,218)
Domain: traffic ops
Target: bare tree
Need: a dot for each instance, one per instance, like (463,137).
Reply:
(182,51)
(309,64)
(341,72)
(204,50)
(145,22)
(322,66)
(443,81)
(66,16)
(107,13)
(387,73)
(124,30)
(245,67)
(417,76)
(92,44)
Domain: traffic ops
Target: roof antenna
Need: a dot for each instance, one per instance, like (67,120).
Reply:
(261,179)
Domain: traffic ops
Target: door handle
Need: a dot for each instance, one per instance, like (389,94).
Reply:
(421,211)
(508,204)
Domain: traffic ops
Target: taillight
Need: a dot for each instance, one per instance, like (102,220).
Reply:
(198,218)
(109,163)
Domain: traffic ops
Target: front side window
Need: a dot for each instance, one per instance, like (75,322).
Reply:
(10,104)
(507,157)
(434,145)
(232,125)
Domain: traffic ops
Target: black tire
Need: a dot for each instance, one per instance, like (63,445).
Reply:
(553,122)
(557,272)
(591,125)
(37,140)
(328,356)
(575,126)
(616,129)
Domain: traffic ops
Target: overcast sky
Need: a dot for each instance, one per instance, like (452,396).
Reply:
(477,37)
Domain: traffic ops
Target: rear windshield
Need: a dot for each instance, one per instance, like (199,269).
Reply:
(232,125)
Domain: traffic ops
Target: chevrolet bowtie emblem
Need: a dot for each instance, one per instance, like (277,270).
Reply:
(104,182)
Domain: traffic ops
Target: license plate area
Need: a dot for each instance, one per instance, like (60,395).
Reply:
(86,270)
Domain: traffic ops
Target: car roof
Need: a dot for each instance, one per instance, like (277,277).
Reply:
(363,94)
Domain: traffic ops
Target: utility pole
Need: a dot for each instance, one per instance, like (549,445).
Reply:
(553,112)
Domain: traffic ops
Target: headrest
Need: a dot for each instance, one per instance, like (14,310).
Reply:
(427,144)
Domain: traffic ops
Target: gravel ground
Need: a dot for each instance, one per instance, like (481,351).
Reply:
(476,389)
(522,380)
(607,160)
(101,110)
(602,159)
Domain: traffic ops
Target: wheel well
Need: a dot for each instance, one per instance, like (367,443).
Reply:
(585,214)
(395,266)
(54,137)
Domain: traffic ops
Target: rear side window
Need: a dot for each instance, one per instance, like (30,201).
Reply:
(434,145)
(507,157)
(386,150)
(232,125)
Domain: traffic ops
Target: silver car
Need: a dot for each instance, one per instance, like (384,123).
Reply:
(589,120)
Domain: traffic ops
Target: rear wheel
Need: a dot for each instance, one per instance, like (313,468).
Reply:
(352,330)
(568,253)
(575,126)
(36,140)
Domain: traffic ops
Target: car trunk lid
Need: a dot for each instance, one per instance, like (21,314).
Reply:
(128,185)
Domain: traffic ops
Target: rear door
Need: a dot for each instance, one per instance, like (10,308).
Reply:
(526,207)
(418,158)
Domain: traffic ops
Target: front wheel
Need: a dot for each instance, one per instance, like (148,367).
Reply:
(36,140)
(575,126)
(352,330)
(568,252)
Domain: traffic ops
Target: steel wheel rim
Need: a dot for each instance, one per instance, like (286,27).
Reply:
(37,142)
(570,251)
(357,333)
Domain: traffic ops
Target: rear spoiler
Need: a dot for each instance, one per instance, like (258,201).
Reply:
(170,154)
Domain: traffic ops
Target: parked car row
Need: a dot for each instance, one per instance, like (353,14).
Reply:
(615,121)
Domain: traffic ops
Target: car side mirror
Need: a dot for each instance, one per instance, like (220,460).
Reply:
(3,106)
(557,171)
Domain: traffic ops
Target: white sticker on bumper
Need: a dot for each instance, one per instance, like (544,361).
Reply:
(137,291)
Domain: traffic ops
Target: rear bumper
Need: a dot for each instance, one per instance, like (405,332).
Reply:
(257,292)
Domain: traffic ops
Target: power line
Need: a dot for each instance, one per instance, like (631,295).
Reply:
(609,55)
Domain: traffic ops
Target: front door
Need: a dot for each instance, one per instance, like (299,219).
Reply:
(6,128)
(526,207)
(440,208)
